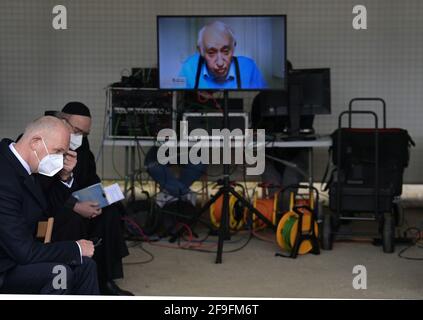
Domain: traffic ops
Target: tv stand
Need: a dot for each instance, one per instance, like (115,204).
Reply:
(226,190)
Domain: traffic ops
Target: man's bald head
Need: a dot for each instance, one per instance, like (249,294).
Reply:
(45,135)
(212,31)
(46,126)
(216,43)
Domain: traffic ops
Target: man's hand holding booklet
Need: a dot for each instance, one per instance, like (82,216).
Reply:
(104,196)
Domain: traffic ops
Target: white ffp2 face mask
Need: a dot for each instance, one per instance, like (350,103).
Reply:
(75,141)
(50,164)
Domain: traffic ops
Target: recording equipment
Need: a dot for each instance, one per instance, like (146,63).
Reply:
(257,63)
(214,120)
(192,103)
(139,78)
(139,113)
(144,78)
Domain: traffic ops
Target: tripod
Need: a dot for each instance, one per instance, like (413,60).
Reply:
(226,190)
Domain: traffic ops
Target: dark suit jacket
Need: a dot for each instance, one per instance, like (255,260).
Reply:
(22,205)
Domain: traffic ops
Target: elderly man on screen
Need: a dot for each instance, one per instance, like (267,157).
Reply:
(215,66)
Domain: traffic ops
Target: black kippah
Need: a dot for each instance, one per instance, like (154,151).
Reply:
(77,108)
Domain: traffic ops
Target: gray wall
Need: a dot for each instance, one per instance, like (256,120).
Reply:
(41,68)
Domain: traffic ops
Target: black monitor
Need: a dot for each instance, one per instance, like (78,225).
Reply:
(310,90)
(308,94)
(222,52)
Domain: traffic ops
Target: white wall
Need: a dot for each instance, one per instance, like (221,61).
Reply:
(42,69)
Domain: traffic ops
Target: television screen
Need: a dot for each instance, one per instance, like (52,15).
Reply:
(222,52)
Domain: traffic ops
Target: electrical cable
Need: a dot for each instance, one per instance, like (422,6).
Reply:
(250,236)
(416,243)
(139,175)
(140,246)
(113,151)
(199,240)
(113,162)
(105,127)
(401,254)
(245,184)
(136,227)
(199,246)
(264,238)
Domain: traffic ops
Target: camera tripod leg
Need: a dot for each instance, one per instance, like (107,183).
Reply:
(208,204)
(223,229)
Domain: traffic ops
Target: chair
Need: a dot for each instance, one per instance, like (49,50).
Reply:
(45,229)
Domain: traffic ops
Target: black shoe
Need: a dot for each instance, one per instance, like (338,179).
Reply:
(110,288)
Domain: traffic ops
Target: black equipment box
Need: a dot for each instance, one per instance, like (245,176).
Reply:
(139,113)
(192,103)
(209,121)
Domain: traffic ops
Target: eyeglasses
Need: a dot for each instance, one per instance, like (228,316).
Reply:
(76,130)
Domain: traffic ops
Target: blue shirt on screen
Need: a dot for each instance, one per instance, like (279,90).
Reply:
(251,77)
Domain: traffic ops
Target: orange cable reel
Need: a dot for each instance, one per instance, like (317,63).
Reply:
(267,207)
(288,225)
(235,222)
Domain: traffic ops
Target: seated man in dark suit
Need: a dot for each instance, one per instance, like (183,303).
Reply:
(75,220)
(28,266)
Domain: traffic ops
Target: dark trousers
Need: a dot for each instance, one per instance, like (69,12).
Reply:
(52,278)
(162,174)
(69,225)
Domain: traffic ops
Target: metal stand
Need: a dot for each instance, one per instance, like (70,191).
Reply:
(129,173)
(226,189)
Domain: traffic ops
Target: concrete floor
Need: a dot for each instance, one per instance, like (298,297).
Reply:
(254,271)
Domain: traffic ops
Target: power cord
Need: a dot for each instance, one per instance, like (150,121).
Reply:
(417,242)
(114,163)
(139,244)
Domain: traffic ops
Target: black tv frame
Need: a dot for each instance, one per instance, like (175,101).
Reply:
(285,82)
